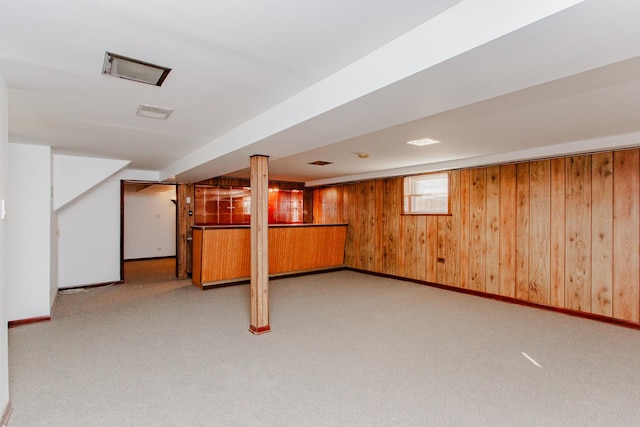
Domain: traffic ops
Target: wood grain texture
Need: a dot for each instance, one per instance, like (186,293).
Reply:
(626,230)
(409,257)
(259,244)
(196,268)
(353,231)
(318,203)
(441,258)
(184,222)
(557,233)
(367,218)
(223,254)
(465,229)
(421,249)
(305,248)
(540,225)
(508,231)
(389,195)
(432,248)
(553,247)
(602,233)
(376,230)
(522,231)
(478,222)
(492,260)
(578,233)
(453,231)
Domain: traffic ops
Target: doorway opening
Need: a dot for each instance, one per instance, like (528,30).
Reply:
(148,232)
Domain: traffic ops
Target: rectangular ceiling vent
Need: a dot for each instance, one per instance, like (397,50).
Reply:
(134,69)
(153,111)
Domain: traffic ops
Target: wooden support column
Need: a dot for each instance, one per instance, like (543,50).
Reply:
(259,245)
(184,222)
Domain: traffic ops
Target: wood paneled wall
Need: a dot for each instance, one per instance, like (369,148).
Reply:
(562,232)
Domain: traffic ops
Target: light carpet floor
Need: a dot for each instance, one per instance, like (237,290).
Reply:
(346,349)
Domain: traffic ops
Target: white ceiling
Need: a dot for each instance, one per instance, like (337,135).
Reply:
(494,80)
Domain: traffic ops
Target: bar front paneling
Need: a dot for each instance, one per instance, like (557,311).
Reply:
(221,254)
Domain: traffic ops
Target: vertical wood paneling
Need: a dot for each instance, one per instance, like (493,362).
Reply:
(465,230)
(329,206)
(421,249)
(522,231)
(557,233)
(378,226)
(492,279)
(602,233)
(540,224)
(351,248)
(366,217)
(453,230)
(389,193)
(626,250)
(340,207)
(478,221)
(578,233)
(432,248)
(409,248)
(508,230)
(562,232)
(317,206)
(374,223)
(441,264)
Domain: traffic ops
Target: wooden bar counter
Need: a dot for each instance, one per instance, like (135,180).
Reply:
(221,254)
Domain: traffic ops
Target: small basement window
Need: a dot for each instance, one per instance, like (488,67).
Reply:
(426,194)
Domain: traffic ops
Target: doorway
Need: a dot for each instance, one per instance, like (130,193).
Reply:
(148,232)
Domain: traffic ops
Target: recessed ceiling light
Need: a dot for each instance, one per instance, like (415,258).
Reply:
(423,141)
(134,69)
(320,163)
(363,155)
(153,111)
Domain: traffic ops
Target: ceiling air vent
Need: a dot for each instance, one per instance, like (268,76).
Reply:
(134,69)
(320,163)
(153,111)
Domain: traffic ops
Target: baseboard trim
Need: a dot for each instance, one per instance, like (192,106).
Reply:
(92,285)
(590,316)
(150,258)
(6,415)
(27,321)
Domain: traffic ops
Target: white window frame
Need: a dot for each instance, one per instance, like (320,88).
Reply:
(426,194)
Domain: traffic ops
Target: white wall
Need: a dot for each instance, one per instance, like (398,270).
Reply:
(149,223)
(89,240)
(53,250)
(29,232)
(4,195)
(75,175)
